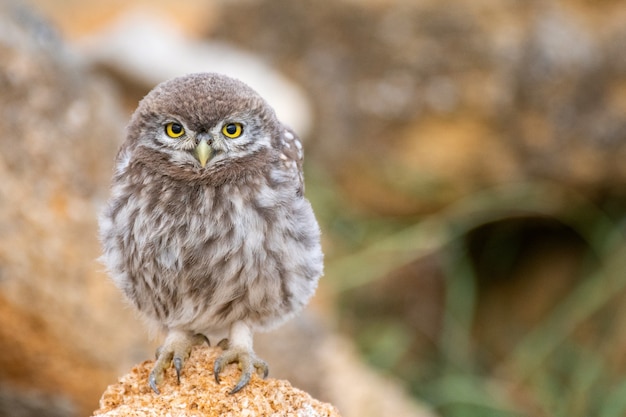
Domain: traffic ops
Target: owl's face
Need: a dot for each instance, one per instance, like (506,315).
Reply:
(203,121)
(236,136)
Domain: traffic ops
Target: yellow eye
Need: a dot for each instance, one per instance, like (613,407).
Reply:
(232,130)
(174,130)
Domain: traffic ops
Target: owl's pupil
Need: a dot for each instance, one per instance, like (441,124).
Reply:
(176,128)
(231,129)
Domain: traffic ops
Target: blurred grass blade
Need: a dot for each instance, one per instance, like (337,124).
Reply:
(615,403)
(586,299)
(436,231)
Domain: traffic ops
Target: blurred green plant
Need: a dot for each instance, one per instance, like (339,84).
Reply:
(550,372)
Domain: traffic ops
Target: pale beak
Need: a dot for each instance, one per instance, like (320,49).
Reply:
(203,152)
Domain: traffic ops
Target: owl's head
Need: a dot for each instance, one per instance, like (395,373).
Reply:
(201,121)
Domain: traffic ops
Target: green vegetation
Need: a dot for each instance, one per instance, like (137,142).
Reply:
(569,363)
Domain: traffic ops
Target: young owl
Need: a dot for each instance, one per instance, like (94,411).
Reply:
(207,231)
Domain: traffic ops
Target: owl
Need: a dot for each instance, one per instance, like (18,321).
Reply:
(207,231)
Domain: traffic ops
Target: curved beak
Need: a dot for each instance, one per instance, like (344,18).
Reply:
(203,152)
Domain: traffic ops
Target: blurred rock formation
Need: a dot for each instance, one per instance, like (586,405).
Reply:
(143,48)
(418,103)
(60,128)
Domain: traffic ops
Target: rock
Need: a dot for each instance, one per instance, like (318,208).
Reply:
(143,48)
(23,403)
(64,330)
(199,395)
(77,17)
(419,104)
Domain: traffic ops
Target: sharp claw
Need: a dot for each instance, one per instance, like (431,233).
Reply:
(243,381)
(266,370)
(217,368)
(178,365)
(153,383)
(203,337)
(223,344)
(248,363)
(175,349)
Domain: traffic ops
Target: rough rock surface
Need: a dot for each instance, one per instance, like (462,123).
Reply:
(199,395)
(60,128)
(419,103)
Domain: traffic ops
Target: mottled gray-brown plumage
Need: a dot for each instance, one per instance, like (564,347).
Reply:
(207,231)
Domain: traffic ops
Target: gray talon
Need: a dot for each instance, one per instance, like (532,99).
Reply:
(217,368)
(266,370)
(153,383)
(204,338)
(223,344)
(248,363)
(178,365)
(243,381)
(175,349)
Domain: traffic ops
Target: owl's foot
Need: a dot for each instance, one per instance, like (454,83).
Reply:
(246,359)
(176,348)
(239,349)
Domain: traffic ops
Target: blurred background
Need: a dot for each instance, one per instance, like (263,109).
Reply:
(465,160)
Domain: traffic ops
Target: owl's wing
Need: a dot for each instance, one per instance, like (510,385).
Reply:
(293,156)
(122,159)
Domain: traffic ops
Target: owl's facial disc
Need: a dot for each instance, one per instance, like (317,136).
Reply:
(203,152)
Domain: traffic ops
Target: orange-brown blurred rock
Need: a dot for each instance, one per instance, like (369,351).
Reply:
(199,395)
(78,18)
(39,371)
(419,104)
(63,328)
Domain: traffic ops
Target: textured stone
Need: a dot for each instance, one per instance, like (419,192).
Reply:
(60,333)
(199,395)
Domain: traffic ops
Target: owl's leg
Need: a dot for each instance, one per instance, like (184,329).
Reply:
(239,349)
(176,348)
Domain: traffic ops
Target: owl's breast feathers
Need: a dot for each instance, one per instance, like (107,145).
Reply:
(201,254)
